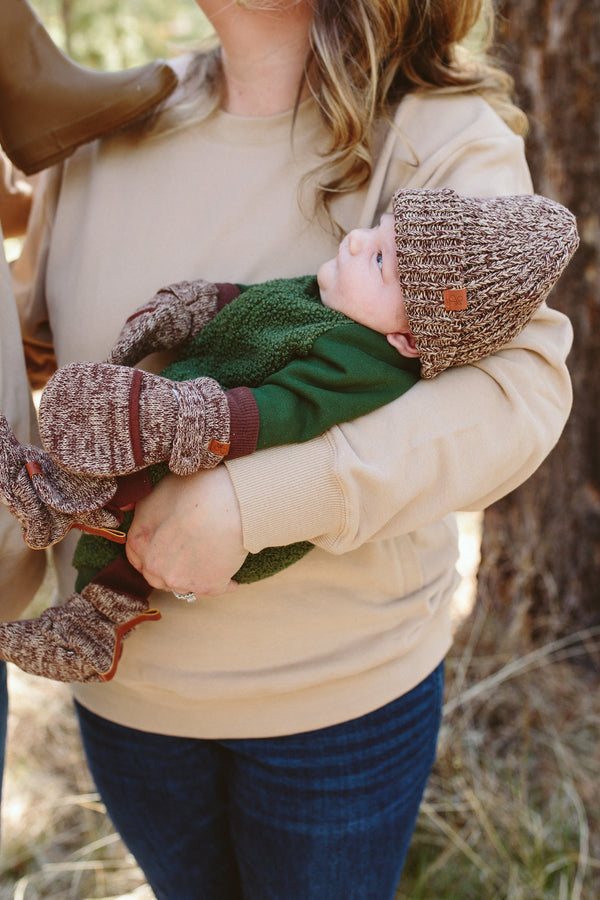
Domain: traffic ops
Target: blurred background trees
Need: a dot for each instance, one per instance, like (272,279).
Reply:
(117,34)
(541,544)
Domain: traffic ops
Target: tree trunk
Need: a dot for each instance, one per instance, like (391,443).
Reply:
(541,544)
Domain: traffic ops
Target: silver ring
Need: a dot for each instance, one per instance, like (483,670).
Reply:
(189,596)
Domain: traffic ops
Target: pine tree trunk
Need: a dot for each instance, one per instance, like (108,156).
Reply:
(541,544)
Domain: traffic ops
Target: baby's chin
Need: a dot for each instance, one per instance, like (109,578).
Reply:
(324,280)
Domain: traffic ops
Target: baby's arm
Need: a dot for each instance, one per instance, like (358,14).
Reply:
(101,419)
(170,319)
(350,372)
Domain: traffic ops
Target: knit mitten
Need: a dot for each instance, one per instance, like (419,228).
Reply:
(82,639)
(101,419)
(173,316)
(48,501)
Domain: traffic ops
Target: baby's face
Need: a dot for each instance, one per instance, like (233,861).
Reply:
(362,280)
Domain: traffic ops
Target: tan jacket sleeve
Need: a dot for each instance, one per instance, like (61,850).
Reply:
(21,569)
(460,441)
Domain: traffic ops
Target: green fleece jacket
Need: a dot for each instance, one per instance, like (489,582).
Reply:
(307,368)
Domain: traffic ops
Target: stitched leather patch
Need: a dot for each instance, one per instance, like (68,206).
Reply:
(455,299)
(218,448)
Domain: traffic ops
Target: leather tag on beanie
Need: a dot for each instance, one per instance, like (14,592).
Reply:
(455,299)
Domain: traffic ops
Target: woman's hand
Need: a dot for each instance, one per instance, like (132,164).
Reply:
(187,534)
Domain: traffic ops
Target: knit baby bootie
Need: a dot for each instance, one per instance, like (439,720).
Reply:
(82,639)
(48,501)
(100,419)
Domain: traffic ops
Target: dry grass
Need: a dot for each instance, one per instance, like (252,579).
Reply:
(56,839)
(512,810)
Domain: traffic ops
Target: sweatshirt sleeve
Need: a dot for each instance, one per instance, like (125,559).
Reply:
(21,569)
(350,371)
(456,442)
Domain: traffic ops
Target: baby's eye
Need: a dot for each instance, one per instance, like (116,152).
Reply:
(380,259)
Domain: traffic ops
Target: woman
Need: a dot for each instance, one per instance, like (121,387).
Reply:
(21,569)
(274,740)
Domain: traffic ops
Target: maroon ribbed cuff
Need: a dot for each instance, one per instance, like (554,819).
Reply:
(225,294)
(131,488)
(244,422)
(120,576)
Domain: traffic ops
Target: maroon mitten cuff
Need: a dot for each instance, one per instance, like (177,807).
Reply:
(173,316)
(82,639)
(131,488)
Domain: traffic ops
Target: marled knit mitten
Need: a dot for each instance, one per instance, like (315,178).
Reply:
(48,501)
(82,639)
(173,316)
(102,419)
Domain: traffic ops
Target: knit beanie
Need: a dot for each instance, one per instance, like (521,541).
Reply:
(474,270)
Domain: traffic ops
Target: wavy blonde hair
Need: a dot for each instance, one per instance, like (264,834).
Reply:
(365,56)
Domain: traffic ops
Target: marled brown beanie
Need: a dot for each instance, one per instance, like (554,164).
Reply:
(474,270)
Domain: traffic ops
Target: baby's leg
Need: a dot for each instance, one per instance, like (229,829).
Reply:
(48,501)
(82,639)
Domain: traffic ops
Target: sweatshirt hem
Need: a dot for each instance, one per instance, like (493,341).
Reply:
(270,715)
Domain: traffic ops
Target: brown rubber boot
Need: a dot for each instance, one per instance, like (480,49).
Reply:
(49,105)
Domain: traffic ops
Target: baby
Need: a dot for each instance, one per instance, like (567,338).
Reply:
(444,281)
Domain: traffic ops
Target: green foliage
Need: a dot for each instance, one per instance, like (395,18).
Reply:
(117,34)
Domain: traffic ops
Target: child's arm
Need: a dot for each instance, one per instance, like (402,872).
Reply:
(102,419)
(350,371)
(170,319)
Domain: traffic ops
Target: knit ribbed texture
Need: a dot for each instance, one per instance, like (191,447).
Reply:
(168,320)
(47,500)
(203,417)
(77,641)
(99,418)
(507,252)
(91,420)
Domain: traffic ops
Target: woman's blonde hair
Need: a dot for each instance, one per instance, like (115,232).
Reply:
(365,55)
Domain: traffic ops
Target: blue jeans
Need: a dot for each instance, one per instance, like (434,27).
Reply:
(321,814)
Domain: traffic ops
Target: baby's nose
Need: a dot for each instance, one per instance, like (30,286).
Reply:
(355,241)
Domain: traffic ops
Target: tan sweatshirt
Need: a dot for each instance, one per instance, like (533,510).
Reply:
(364,617)
(21,569)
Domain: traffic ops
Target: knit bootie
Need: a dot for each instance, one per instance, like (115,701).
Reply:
(171,318)
(100,419)
(48,501)
(49,105)
(82,639)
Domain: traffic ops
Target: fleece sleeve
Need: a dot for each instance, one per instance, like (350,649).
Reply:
(350,371)
(459,441)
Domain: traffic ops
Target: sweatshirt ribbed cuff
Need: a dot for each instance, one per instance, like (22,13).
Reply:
(298,486)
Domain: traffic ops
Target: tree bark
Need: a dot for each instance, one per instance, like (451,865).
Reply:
(541,544)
